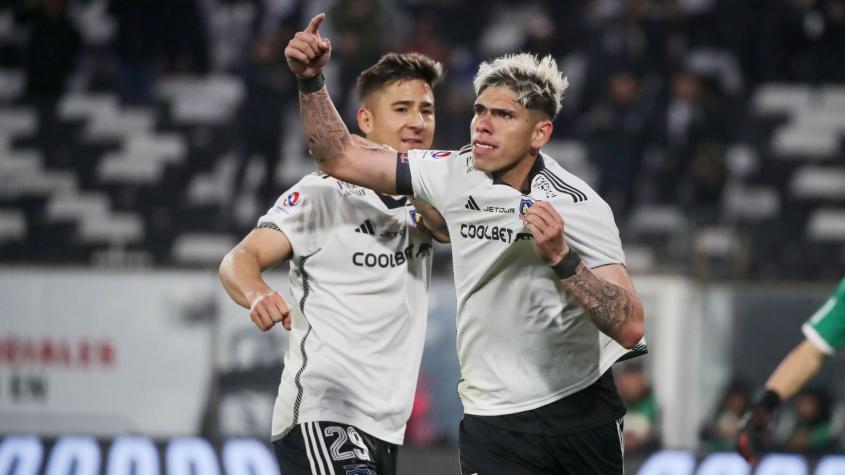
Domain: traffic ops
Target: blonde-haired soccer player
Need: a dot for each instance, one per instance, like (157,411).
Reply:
(544,308)
(360,272)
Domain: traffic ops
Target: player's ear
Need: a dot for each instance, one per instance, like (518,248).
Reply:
(365,120)
(541,134)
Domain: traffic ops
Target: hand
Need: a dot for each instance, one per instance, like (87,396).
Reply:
(546,226)
(308,52)
(753,436)
(269,308)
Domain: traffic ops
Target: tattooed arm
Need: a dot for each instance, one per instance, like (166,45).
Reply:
(328,138)
(606,293)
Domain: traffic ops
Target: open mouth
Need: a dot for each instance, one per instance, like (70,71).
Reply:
(412,143)
(482,147)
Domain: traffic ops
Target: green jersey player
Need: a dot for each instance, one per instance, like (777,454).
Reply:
(824,334)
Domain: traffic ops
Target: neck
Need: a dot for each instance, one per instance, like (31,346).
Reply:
(517,175)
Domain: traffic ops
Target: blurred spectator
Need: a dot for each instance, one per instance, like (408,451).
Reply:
(269,89)
(640,428)
(707,174)
(359,40)
(138,45)
(186,37)
(720,432)
(617,129)
(692,116)
(811,431)
(51,50)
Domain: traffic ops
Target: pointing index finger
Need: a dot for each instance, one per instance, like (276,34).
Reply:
(314,25)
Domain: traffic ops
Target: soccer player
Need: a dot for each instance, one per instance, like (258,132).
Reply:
(359,277)
(545,304)
(824,334)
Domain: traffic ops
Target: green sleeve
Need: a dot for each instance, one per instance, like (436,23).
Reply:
(826,328)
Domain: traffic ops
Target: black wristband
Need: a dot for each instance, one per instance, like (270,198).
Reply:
(769,400)
(312,84)
(567,266)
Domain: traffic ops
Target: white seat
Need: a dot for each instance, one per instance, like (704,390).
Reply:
(572,156)
(168,146)
(117,228)
(781,98)
(715,242)
(12,82)
(805,141)
(818,183)
(38,183)
(640,259)
(202,100)
(202,248)
(120,124)
(750,202)
(83,106)
(17,121)
(130,168)
(742,160)
(77,206)
(657,219)
(12,225)
(827,224)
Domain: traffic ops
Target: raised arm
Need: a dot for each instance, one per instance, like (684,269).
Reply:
(606,293)
(329,140)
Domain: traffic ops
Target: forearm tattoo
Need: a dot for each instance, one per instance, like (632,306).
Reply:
(324,129)
(609,306)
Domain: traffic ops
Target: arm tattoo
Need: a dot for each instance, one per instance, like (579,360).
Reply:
(609,306)
(324,129)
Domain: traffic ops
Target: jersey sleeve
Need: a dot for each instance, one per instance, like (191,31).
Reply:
(591,231)
(305,213)
(431,174)
(826,328)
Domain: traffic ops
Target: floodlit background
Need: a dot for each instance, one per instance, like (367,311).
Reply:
(140,140)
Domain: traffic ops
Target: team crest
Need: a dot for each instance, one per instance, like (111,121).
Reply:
(524,204)
(416,217)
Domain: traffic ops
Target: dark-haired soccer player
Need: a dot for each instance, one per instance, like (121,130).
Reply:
(360,272)
(543,311)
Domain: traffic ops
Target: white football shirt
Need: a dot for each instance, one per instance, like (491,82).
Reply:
(522,341)
(359,279)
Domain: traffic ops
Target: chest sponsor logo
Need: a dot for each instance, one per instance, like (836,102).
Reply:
(472,205)
(367,227)
(441,154)
(487,232)
(386,260)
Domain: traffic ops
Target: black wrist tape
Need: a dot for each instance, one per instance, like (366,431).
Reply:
(312,84)
(769,400)
(567,266)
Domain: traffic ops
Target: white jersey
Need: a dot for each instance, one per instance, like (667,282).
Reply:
(522,341)
(359,279)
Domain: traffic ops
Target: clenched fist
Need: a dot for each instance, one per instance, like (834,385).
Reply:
(268,309)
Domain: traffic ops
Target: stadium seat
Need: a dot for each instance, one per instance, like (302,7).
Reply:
(12,225)
(202,249)
(827,224)
(818,183)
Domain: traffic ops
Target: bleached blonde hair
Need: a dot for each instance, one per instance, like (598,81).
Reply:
(537,82)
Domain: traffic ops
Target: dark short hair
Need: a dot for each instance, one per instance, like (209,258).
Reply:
(394,67)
